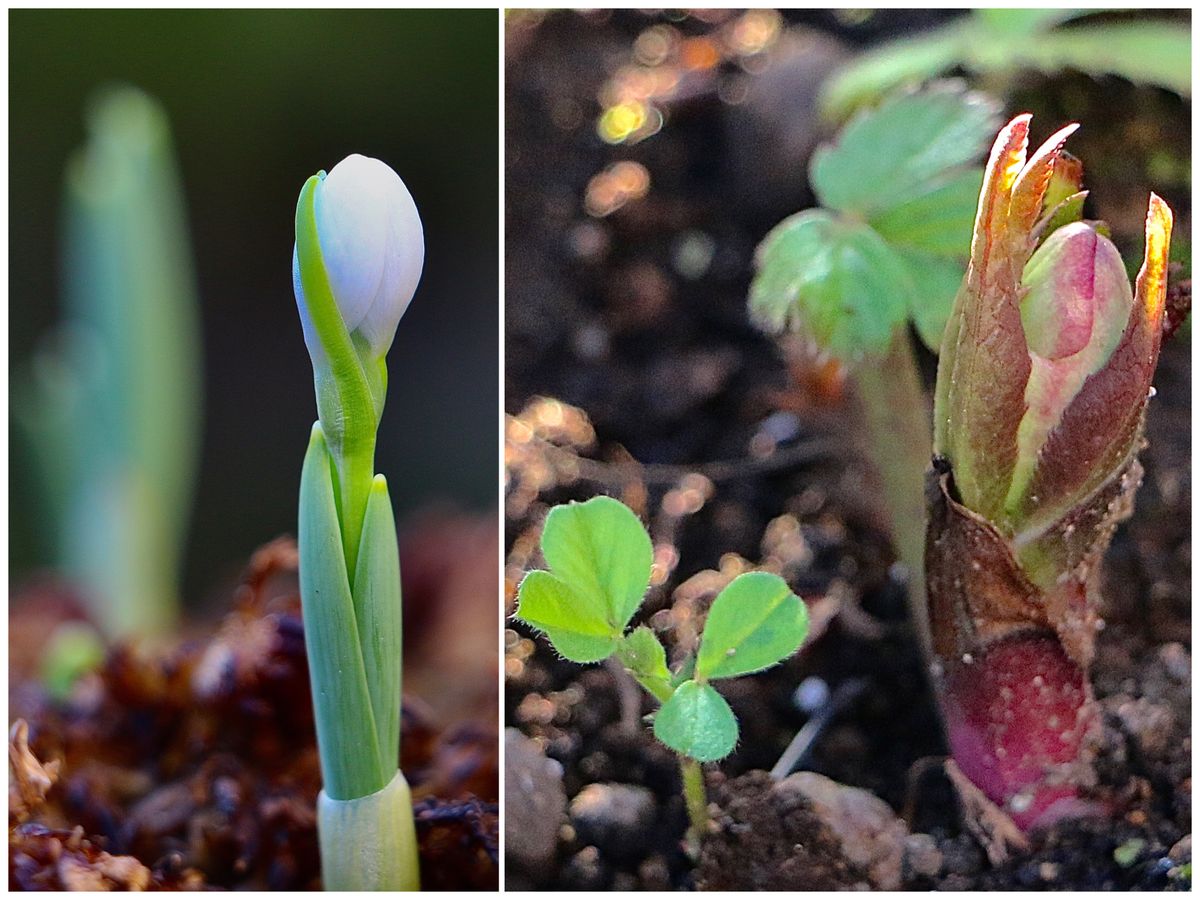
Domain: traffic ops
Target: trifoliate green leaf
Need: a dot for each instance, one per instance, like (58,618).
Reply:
(602,551)
(697,722)
(907,147)
(753,624)
(576,623)
(646,659)
(835,280)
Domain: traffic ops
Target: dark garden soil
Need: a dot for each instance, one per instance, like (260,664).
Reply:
(738,450)
(194,765)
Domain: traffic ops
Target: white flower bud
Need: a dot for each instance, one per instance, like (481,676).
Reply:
(373,248)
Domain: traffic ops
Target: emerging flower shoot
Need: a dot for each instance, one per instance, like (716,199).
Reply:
(357,261)
(1043,379)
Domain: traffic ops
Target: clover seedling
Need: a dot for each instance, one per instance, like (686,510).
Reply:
(600,559)
(358,257)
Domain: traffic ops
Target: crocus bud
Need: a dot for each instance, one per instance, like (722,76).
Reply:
(372,247)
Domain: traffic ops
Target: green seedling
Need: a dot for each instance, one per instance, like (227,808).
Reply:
(888,247)
(358,257)
(600,559)
(110,406)
(1000,43)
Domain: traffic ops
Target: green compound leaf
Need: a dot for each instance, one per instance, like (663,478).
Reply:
(697,722)
(837,281)
(575,623)
(602,551)
(906,148)
(644,656)
(754,623)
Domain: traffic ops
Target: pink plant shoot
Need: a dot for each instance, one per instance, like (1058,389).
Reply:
(1043,380)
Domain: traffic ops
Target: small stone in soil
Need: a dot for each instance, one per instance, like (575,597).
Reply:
(922,858)
(535,802)
(616,818)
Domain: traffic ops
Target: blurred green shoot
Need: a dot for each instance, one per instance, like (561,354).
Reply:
(600,558)
(1000,43)
(110,405)
(889,245)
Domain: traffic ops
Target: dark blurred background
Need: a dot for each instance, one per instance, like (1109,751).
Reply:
(258,101)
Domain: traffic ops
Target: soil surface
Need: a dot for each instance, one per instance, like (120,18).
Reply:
(632,370)
(193,764)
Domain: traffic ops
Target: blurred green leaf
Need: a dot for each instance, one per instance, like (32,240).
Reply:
(938,279)
(1006,41)
(112,403)
(602,551)
(938,222)
(837,281)
(1156,53)
(1025,21)
(908,147)
(697,722)
(754,623)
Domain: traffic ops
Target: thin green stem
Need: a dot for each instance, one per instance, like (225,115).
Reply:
(696,799)
(897,417)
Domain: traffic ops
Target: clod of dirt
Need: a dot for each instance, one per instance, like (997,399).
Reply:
(193,764)
(616,818)
(871,834)
(773,840)
(535,804)
(922,858)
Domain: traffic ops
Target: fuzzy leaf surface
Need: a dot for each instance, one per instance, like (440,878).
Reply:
(601,550)
(576,624)
(697,722)
(644,656)
(753,624)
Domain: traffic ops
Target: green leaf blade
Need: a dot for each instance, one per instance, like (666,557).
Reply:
(939,221)
(576,624)
(939,278)
(346,734)
(753,624)
(697,722)
(377,607)
(601,550)
(903,149)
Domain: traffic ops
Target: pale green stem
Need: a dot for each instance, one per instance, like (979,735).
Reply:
(369,843)
(897,418)
(696,799)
